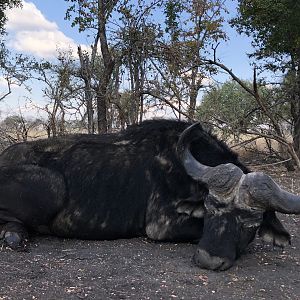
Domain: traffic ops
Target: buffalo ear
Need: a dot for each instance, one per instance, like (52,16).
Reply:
(191,208)
(272,231)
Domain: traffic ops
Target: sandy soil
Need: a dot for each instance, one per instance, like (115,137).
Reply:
(140,269)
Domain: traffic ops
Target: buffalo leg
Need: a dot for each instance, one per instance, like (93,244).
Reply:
(30,198)
(14,235)
(166,223)
(271,230)
(176,230)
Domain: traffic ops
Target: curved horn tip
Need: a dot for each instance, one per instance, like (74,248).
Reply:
(182,143)
(266,192)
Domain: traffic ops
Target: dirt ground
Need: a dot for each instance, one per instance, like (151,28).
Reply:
(140,269)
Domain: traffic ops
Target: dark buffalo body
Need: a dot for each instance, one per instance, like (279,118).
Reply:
(133,183)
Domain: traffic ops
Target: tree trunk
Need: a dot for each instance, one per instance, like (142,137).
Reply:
(86,69)
(296,135)
(295,102)
(108,69)
(137,92)
(296,112)
(194,88)
(53,126)
(62,124)
(48,129)
(102,109)
(89,107)
(192,104)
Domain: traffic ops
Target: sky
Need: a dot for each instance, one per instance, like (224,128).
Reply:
(39,28)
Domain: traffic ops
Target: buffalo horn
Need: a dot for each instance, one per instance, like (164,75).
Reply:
(266,193)
(219,178)
(194,168)
(260,189)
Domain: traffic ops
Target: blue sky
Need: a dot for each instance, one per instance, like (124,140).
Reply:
(39,28)
(233,52)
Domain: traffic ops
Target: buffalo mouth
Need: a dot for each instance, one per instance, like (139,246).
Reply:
(206,261)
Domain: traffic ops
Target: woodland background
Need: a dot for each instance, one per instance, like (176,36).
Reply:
(159,58)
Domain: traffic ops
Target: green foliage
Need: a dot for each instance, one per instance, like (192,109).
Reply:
(274,26)
(15,69)
(228,105)
(4,5)
(232,109)
(172,13)
(194,28)
(85,13)
(80,14)
(197,23)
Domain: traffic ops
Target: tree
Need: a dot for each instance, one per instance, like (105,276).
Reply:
(235,113)
(14,69)
(87,65)
(4,5)
(137,40)
(275,29)
(93,15)
(157,64)
(192,29)
(61,87)
(229,107)
(274,26)
(16,128)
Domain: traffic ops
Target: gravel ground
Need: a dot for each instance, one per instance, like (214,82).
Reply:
(140,269)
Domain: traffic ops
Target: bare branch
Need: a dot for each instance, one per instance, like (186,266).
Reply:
(8,91)
(157,96)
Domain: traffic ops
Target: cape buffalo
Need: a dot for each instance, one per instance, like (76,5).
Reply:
(165,179)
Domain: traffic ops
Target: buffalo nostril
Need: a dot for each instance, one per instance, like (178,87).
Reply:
(225,265)
(204,260)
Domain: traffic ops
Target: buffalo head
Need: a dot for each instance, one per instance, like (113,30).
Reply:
(234,206)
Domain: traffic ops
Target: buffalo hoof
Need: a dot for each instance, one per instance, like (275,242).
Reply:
(15,241)
(206,261)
